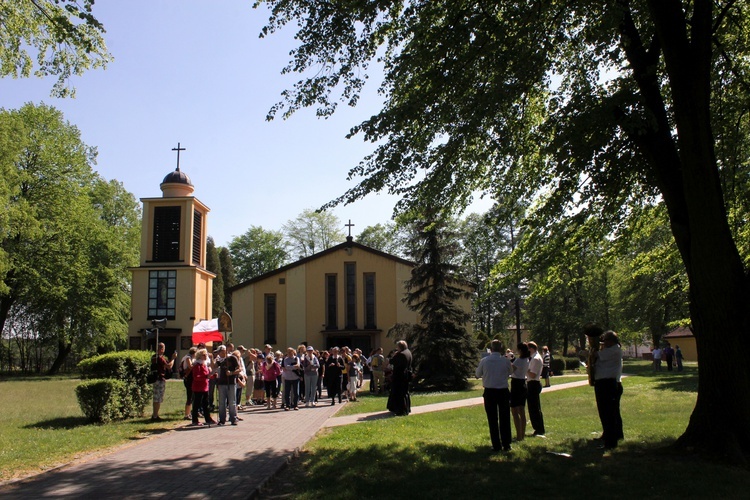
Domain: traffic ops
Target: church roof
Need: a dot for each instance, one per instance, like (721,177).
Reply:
(680,332)
(177,177)
(341,246)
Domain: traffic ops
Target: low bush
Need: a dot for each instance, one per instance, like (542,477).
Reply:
(572,364)
(129,367)
(104,400)
(557,366)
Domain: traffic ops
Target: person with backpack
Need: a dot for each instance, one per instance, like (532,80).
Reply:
(229,369)
(186,374)
(161,366)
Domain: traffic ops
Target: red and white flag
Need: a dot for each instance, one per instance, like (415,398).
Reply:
(207,331)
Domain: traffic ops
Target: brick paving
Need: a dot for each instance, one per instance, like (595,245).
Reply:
(201,462)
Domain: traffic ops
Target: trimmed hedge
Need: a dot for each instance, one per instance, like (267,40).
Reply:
(127,367)
(104,400)
(557,366)
(561,365)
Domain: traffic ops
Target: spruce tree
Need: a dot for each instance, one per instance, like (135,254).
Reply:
(213,265)
(444,351)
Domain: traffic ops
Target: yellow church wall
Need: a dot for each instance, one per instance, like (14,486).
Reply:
(403,313)
(243,318)
(296,306)
(301,300)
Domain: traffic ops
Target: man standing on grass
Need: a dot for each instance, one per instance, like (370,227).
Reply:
(494,371)
(162,368)
(534,389)
(608,389)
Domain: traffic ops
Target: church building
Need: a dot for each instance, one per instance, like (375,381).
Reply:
(171,288)
(349,294)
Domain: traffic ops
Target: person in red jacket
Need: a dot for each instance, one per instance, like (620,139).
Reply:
(201,371)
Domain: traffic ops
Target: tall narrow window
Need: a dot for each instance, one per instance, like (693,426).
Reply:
(370,301)
(269,318)
(162,294)
(331,309)
(166,234)
(350,284)
(197,237)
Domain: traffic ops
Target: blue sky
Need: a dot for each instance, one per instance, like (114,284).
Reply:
(197,73)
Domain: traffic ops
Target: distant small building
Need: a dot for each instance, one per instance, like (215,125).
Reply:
(683,337)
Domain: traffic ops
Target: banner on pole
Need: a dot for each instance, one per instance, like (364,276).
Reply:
(207,331)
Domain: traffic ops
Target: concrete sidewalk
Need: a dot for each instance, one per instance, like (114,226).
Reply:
(201,462)
(416,410)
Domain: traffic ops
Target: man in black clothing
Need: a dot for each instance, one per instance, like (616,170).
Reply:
(399,401)
(334,367)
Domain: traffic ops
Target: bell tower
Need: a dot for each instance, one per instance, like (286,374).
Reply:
(171,281)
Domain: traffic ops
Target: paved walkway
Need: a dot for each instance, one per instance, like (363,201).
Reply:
(201,462)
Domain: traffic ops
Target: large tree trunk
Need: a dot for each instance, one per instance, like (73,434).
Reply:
(719,293)
(63,350)
(6,303)
(687,176)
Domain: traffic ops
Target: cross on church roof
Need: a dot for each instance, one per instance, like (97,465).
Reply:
(178,149)
(350,226)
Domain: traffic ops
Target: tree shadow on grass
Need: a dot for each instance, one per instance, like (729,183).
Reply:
(551,470)
(60,423)
(678,383)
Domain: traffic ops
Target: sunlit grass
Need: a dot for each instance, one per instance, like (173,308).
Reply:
(447,453)
(370,403)
(43,426)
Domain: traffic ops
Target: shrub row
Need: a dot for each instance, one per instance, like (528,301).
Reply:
(561,365)
(116,385)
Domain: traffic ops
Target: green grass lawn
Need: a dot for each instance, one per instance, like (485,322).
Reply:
(369,403)
(448,453)
(43,426)
(430,455)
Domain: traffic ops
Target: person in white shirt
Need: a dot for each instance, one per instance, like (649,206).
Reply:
(494,371)
(657,358)
(534,389)
(608,389)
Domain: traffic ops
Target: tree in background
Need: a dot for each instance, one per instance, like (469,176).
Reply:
(636,99)
(257,252)
(228,276)
(213,265)
(649,286)
(482,247)
(67,237)
(388,238)
(312,232)
(445,354)
(53,38)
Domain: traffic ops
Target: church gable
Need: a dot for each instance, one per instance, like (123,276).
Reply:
(349,294)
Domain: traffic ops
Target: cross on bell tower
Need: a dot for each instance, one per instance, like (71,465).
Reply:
(178,149)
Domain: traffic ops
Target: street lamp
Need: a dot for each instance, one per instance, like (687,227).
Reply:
(157,323)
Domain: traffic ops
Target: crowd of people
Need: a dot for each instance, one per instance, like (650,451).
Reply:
(525,369)
(215,381)
(673,358)
(513,380)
